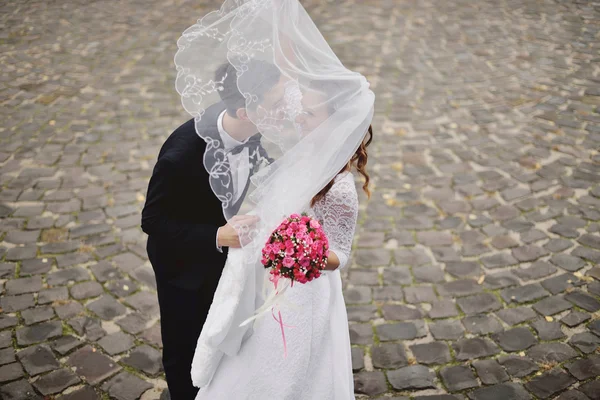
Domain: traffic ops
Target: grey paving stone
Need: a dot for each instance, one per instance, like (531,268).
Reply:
(583,300)
(35,266)
(388,356)
(68,310)
(558,245)
(361,333)
(399,312)
(362,313)
(500,280)
(431,353)
(518,366)
(462,287)
(65,344)
(358,359)
(88,326)
(411,377)
(517,315)
(515,339)
(358,295)
(19,390)
(585,368)
(458,377)
(591,389)
(551,352)
(575,318)
(490,372)
(38,333)
(107,308)
(468,349)
(397,276)
(419,294)
(370,383)
(552,305)
(388,293)
(400,331)
(23,285)
(479,303)
(75,274)
(500,260)
(56,381)
(11,372)
(585,253)
(586,342)
(7,270)
(548,330)
(126,386)
(38,359)
(537,270)
(446,330)
(549,383)
(428,274)
(122,287)
(17,303)
(6,338)
(86,290)
(560,283)
(133,323)
(144,302)
(524,294)
(85,393)
(443,308)
(373,257)
(513,391)
(482,324)
(529,253)
(567,262)
(116,343)
(92,365)
(572,395)
(7,356)
(37,314)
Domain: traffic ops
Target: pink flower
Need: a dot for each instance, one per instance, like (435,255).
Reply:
(314,224)
(288,262)
(289,232)
(295,216)
(289,251)
(305,262)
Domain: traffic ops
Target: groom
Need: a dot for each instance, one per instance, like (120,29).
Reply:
(188,236)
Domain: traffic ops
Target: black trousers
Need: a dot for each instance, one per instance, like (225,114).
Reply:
(183,313)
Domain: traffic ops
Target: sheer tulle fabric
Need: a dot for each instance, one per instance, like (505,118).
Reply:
(311,113)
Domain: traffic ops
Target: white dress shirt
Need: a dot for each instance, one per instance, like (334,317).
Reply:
(239,164)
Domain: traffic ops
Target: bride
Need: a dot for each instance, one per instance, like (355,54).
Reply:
(315,126)
(318,363)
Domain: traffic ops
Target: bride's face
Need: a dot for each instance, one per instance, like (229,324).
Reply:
(314,111)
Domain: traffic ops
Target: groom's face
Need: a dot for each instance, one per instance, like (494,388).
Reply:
(273,100)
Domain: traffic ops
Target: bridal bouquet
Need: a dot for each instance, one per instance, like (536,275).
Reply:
(297,249)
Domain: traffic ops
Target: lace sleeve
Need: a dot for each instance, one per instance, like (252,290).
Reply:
(338,212)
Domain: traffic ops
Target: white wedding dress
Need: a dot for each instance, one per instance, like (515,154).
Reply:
(318,363)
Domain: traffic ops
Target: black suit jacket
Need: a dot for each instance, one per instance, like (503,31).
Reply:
(182,213)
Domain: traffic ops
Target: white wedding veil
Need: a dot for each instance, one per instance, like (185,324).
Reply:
(268,59)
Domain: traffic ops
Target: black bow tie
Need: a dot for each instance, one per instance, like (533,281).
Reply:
(238,149)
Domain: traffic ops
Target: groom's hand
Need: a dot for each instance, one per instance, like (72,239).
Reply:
(229,234)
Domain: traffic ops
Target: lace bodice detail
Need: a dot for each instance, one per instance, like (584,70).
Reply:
(338,212)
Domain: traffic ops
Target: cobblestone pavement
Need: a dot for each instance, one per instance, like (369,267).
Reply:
(476,270)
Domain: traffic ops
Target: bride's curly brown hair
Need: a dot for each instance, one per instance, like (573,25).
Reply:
(358,161)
